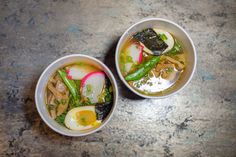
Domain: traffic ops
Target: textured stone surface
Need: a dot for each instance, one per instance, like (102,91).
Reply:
(199,121)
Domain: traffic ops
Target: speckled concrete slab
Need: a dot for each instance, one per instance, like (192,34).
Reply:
(199,121)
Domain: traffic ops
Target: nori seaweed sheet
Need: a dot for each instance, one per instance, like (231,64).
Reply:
(103,109)
(151,40)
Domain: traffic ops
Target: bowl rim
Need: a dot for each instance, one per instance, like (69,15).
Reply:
(114,101)
(147,20)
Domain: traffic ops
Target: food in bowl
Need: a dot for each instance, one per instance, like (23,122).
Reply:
(152,60)
(79,96)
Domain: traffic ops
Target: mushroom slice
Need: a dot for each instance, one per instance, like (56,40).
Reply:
(54,91)
(52,107)
(180,66)
(60,86)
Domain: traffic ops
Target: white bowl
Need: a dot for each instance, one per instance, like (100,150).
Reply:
(41,86)
(180,34)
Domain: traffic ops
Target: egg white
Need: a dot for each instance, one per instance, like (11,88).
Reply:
(71,121)
(170,40)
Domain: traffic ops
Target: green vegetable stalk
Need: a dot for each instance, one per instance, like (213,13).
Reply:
(70,84)
(143,70)
(60,119)
(175,50)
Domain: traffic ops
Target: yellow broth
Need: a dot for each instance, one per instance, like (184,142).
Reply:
(60,101)
(152,83)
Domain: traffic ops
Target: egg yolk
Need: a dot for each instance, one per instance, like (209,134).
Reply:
(86,117)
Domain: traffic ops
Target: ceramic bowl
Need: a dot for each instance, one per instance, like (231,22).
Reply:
(180,34)
(41,87)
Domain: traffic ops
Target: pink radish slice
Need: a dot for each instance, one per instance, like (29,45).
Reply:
(92,85)
(77,72)
(135,52)
(140,54)
(68,74)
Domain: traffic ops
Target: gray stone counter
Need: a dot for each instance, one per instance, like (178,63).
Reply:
(200,121)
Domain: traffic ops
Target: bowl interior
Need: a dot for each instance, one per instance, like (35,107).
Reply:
(41,86)
(180,34)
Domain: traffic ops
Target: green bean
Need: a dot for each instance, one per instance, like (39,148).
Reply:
(143,70)
(70,84)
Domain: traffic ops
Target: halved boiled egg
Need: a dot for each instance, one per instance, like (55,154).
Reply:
(82,118)
(168,39)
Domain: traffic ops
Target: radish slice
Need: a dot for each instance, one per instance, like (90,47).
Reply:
(169,41)
(92,85)
(140,54)
(135,52)
(128,67)
(77,72)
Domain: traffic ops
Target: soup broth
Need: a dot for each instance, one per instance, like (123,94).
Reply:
(79,96)
(152,61)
